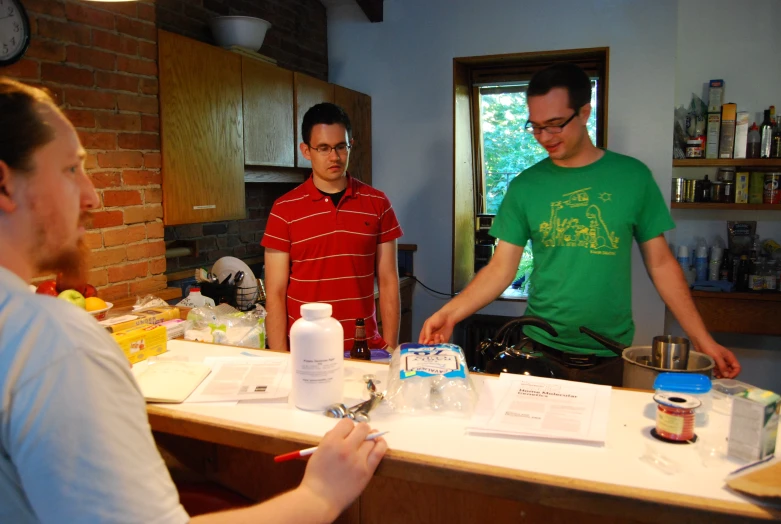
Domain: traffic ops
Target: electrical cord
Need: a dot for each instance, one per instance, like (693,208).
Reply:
(432,290)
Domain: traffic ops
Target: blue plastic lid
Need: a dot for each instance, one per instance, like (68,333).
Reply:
(693,383)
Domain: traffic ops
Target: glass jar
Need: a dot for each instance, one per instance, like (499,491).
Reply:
(729,192)
(717,192)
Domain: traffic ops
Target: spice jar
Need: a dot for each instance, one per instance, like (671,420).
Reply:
(728,196)
(717,192)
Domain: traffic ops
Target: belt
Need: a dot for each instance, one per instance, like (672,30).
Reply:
(575,360)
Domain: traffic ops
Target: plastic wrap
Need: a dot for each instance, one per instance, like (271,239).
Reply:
(226,325)
(430,378)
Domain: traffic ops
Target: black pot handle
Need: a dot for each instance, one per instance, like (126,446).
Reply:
(538,322)
(612,345)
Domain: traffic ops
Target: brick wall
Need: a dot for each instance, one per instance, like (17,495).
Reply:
(99,60)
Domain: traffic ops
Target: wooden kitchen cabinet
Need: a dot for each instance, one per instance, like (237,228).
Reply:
(201,131)
(269,115)
(308,92)
(359,108)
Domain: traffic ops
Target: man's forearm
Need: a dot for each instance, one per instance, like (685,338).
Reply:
(276,322)
(390,311)
(672,287)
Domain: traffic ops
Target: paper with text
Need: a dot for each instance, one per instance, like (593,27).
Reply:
(542,408)
(243,379)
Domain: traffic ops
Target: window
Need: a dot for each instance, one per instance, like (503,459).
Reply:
(490,145)
(507,150)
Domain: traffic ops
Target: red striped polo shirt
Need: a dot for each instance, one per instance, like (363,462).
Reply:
(333,251)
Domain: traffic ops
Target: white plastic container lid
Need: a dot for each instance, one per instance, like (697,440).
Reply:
(316,310)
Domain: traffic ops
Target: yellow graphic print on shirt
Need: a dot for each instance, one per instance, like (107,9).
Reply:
(576,222)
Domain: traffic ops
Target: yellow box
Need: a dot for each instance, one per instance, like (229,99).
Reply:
(741,188)
(142,342)
(139,318)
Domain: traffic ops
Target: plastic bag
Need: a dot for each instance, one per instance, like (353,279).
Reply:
(148,301)
(425,378)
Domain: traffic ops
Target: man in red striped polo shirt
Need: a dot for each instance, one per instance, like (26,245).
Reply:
(327,240)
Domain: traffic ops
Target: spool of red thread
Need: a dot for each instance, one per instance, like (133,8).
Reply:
(675,416)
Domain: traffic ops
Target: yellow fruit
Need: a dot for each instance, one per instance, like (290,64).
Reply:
(95,303)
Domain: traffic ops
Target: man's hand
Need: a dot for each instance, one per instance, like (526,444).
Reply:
(342,466)
(437,329)
(727,365)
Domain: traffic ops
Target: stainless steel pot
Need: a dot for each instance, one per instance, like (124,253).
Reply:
(640,374)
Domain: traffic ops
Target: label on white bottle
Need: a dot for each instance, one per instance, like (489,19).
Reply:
(318,370)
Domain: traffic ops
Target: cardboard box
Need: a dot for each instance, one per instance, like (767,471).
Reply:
(741,187)
(754,424)
(741,134)
(715,95)
(143,342)
(727,138)
(138,318)
(712,143)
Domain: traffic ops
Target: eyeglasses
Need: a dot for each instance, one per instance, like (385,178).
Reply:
(325,150)
(554,130)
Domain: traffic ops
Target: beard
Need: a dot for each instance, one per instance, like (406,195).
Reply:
(70,263)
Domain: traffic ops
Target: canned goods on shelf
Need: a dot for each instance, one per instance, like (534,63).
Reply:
(772,189)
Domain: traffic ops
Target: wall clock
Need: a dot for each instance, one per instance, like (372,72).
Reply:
(14,31)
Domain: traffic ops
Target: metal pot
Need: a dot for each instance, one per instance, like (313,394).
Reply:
(640,374)
(638,371)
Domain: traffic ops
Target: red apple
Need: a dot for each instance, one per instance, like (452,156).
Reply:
(48,287)
(89,291)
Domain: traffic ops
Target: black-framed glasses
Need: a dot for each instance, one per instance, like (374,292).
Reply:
(554,130)
(325,150)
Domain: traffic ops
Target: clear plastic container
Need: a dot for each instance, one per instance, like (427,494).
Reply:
(724,390)
(694,384)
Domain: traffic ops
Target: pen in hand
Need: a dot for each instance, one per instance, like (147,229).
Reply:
(308,451)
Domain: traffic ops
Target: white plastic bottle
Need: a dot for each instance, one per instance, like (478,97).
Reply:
(317,358)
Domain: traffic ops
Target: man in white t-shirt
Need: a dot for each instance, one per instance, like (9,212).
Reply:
(75,442)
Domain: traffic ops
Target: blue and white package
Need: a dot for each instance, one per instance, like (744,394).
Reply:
(429,377)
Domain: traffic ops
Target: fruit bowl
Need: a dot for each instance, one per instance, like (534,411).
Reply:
(244,31)
(100,314)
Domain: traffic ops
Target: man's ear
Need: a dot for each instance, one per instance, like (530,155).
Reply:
(585,112)
(7,189)
(305,151)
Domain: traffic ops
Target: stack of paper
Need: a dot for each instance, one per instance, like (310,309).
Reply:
(243,379)
(542,408)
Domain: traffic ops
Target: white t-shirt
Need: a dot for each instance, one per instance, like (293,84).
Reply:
(75,441)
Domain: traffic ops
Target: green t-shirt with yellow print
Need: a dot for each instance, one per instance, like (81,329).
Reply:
(581,222)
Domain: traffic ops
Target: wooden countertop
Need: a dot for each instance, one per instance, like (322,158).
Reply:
(610,481)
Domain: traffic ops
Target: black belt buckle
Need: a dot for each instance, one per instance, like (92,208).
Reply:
(579,361)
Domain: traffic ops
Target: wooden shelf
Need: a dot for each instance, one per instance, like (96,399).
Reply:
(715,205)
(747,313)
(716,162)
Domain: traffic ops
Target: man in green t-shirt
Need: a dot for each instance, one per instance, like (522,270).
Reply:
(581,207)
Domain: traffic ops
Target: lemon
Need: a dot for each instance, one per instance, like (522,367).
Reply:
(95,303)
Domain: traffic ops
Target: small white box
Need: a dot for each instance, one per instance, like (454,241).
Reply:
(741,134)
(715,96)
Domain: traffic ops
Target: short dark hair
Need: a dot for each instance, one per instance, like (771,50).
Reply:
(22,127)
(324,113)
(566,75)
